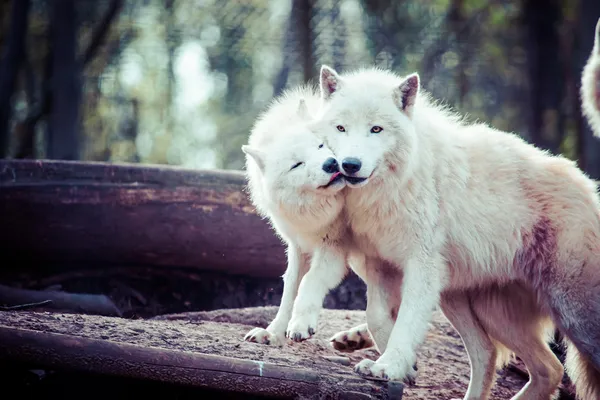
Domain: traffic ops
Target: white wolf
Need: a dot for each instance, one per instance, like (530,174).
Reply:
(590,85)
(458,207)
(303,213)
(293,180)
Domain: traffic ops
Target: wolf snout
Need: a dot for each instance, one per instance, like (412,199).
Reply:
(330,165)
(351,165)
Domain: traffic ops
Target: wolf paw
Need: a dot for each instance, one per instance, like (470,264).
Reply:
(353,339)
(263,336)
(302,327)
(389,367)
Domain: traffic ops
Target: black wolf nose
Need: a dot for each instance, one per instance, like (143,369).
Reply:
(351,165)
(330,165)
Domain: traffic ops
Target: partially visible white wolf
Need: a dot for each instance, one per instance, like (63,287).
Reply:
(294,182)
(590,85)
(459,207)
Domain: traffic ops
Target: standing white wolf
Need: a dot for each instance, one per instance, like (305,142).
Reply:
(459,207)
(294,181)
(590,85)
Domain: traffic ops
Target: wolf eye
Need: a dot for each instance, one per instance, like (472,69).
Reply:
(296,165)
(321,146)
(376,129)
(341,128)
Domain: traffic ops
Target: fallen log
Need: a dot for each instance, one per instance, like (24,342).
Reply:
(443,363)
(83,213)
(32,339)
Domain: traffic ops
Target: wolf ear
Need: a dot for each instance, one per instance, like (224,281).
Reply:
(406,93)
(257,155)
(329,80)
(302,109)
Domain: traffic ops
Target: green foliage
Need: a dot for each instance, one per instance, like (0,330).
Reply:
(183,85)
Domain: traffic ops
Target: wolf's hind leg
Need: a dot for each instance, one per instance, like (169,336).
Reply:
(481,350)
(511,316)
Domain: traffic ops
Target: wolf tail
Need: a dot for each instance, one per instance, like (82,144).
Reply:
(583,374)
(575,305)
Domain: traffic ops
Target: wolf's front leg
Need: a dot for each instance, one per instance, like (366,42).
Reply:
(421,289)
(327,269)
(275,332)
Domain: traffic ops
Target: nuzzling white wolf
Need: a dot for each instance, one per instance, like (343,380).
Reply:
(590,85)
(459,206)
(293,180)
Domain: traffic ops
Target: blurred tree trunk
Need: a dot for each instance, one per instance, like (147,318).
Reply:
(10,62)
(39,91)
(63,128)
(383,23)
(304,15)
(297,48)
(456,22)
(173,41)
(339,37)
(589,146)
(542,19)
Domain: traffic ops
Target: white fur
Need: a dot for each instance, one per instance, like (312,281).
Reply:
(590,85)
(302,212)
(457,207)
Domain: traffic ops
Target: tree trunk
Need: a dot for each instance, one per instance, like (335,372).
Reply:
(545,76)
(63,130)
(304,14)
(456,22)
(10,62)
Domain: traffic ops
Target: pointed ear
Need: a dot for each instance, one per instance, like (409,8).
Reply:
(330,82)
(597,38)
(257,155)
(406,93)
(302,109)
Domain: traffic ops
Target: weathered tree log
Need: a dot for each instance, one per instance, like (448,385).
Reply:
(69,352)
(74,213)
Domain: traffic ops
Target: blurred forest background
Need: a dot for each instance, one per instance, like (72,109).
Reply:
(181,81)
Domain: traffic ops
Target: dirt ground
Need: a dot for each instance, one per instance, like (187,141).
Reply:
(443,365)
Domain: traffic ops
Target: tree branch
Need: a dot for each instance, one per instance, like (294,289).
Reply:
(101,30)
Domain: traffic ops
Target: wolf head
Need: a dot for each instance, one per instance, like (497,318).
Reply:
(293,169)
(366,119)
(298,161)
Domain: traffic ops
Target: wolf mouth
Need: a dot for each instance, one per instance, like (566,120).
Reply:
(336,177)
(354,179)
